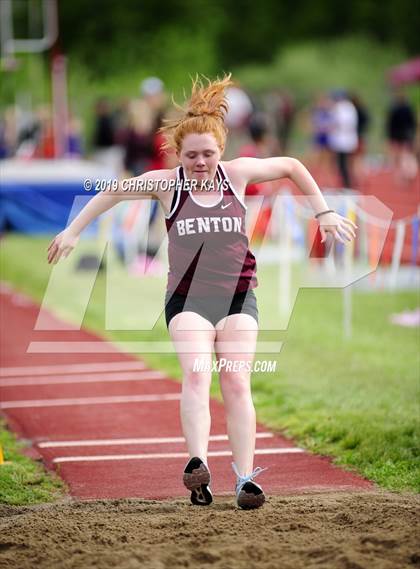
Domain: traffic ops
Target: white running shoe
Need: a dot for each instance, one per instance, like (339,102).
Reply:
(249,494)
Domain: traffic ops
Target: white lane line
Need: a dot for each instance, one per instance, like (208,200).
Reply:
(109,457)
(83,378)
(88,401)
(144,441)
(72,368)
(103,347)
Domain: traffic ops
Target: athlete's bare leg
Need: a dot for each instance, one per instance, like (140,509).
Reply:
(236,386)
(192,330)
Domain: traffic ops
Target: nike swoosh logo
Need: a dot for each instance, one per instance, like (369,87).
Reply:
(227,205)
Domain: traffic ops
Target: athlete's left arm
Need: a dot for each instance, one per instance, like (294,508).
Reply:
(257,170)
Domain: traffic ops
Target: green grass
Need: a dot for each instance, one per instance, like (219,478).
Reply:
(355,399)
(22,480)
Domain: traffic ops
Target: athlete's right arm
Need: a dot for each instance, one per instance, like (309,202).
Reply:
(140,187)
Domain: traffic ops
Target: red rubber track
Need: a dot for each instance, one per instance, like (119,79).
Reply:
(37,399)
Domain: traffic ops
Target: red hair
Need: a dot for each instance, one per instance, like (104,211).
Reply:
(203,114)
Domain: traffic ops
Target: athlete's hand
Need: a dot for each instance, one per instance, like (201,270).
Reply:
(340,227)
(61,246)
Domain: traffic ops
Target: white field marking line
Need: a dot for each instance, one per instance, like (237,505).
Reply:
(72,368)
(108,457)
(83,378)
(89,401)
(103,347)
(149,441)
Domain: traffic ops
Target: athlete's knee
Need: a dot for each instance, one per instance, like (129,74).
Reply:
(196,382)
(236,384)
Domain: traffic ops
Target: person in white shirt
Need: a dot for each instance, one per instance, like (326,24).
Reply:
(343,137)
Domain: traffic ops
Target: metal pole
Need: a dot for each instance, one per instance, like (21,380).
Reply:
(59,104)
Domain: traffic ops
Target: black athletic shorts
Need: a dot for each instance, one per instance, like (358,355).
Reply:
(211,308)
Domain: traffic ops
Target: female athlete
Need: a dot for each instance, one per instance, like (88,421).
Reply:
(210,304)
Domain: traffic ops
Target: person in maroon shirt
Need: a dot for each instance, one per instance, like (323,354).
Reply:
(210,303)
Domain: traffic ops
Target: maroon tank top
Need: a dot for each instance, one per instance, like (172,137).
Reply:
(208,248)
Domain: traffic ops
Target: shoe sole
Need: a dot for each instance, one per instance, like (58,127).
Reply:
(197,483)
(250,497)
